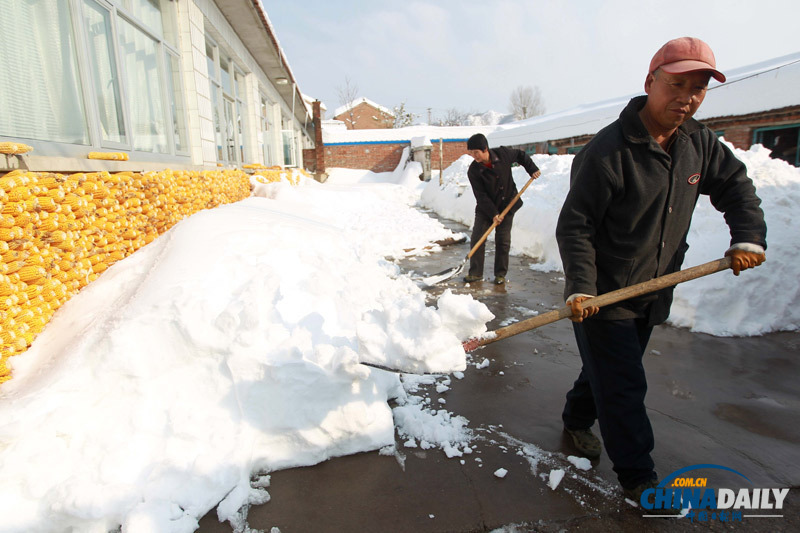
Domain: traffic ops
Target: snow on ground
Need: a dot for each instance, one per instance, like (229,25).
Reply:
(230,346)
(763,297)
(227,347)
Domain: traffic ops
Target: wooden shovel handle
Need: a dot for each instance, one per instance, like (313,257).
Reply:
(503,214)
(608,298)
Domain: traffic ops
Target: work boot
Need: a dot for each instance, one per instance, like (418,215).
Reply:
(499,280)
(472,279)
(635,495)
(585,441)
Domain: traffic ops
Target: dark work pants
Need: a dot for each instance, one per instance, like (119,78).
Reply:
(502,245)
(611,389)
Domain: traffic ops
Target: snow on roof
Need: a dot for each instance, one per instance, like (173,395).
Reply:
(434,133)
(362,100)
(759,87)
(309,100)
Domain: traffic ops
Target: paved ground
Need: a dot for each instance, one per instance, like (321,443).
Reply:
(727,401)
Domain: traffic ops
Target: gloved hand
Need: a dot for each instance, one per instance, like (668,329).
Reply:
(579,314)
(742,260)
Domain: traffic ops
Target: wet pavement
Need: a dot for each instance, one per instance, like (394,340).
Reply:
(733,402)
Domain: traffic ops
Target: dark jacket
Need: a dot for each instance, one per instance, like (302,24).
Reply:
(494,187)
(628,210)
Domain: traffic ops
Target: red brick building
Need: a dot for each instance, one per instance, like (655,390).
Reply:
(364,114)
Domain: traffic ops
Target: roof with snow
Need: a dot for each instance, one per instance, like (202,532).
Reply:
(331,135)
(755,88)
(358,101)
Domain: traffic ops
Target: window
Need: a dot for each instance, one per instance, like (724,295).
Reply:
(41,96)
(783,141)
(227,87)
(289,149)
(574,149)
(139,56)
(174,91)
(105,79)
(264,132)
(99,73)
(238,91)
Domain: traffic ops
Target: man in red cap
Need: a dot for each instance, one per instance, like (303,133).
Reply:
(633,190)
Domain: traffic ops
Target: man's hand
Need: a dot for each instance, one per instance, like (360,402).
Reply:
(536,174)
(498,219)
(742,260)
(578,313)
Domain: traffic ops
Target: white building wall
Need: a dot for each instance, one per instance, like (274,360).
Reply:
(217,26)
(195,82)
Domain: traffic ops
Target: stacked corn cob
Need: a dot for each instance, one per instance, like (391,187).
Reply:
(59,232)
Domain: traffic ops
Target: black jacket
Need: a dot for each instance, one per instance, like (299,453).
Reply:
(628,210)
(494,187)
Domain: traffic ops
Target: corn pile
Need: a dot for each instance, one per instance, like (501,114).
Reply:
(59,232)
(275,174)
(108,156)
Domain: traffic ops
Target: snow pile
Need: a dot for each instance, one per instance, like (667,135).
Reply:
(764,298)
(762,301)
(228,346)
(403,332)
(422,426)
(406,174)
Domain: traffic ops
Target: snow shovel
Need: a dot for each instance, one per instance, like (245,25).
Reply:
(608,298)
(455,271)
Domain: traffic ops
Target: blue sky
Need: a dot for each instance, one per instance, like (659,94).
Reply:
(469,55)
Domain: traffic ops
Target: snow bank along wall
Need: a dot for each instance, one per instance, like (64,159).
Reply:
(59,232)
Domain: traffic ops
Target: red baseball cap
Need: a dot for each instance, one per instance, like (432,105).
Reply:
(686,54)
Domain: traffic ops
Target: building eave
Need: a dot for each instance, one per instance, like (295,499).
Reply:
(253,27)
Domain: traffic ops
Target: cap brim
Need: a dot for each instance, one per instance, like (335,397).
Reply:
(691,65)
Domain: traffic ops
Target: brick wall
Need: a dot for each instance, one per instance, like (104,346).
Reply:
(385,156)
(739,130)
(310,159)
(377,157)
(452,151)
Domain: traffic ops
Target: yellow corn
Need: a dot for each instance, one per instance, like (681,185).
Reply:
(14,148)
(32,273)
(58,233)
(112,156)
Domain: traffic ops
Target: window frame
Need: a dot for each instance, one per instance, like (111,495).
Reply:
(234,98)
(758,139)
(78,28)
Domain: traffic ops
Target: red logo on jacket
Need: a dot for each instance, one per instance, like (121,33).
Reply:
(693,179)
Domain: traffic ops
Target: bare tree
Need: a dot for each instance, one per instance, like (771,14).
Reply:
(526,101)
(347,94)
(454,117)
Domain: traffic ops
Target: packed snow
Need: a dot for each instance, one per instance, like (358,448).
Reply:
(232,346)
(229,346)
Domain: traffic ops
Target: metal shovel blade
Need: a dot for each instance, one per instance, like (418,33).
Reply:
(444,275)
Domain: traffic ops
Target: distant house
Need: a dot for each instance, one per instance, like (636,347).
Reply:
(758,104)
(364,114)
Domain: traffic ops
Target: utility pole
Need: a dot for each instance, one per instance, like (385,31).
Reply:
(429,116)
